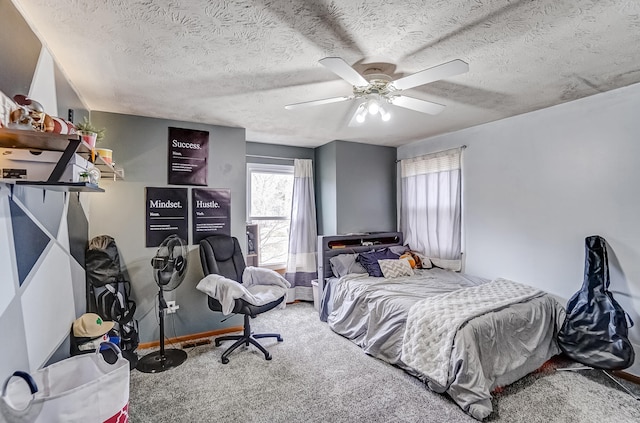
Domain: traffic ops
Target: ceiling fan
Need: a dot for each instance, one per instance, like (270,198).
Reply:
(377,90)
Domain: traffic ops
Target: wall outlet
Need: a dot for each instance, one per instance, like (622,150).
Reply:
(172,307)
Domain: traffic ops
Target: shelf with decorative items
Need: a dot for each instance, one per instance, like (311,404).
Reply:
(40,142)
(107,168)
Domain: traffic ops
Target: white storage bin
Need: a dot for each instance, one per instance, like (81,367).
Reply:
(316,294)
(27,165)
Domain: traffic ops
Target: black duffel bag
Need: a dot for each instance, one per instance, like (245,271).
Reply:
(595,330)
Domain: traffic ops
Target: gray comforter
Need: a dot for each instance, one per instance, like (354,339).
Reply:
(494,349)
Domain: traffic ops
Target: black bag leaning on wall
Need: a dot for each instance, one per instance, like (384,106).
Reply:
(109,291)
(595,330)
(102,261)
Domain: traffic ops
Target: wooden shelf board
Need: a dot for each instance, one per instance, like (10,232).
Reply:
(14,138)
(33,140)
(60,186)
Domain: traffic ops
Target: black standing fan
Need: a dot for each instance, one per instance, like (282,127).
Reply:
(169,269)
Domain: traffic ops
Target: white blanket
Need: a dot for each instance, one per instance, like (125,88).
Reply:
(259,286)
(432,323)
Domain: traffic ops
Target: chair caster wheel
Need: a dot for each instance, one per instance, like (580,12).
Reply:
(225,360)
(267,357)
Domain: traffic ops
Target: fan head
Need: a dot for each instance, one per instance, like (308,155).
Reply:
(170,263)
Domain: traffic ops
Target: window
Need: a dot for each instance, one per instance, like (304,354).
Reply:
(431,205)
(269,192)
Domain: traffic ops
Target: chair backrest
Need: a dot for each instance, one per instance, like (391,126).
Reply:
(221,254)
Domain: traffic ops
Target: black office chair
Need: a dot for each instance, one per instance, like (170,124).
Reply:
(221,254)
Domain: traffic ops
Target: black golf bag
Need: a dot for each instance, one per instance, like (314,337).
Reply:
(595,331)
(109,292)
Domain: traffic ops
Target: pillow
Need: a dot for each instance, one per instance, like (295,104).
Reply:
(369,260)
(395,268)
(399,249)
(425,263)
(412,261)
(344,264)
(455,265)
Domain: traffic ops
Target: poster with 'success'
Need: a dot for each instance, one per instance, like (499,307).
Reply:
(188,155)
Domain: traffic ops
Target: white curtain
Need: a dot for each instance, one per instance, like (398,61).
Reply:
(430,205)
(303,234)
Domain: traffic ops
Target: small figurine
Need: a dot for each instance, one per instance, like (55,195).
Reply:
(30,112)
(20,119)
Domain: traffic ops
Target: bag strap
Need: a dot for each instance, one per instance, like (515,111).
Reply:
(27,378)
(111,346)
(7,409)
(116,294)
(630,322)
(127,316)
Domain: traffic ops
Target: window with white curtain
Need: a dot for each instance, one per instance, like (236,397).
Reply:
(430,210)
(269,193)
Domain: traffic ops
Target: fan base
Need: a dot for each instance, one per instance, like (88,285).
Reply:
(155,362)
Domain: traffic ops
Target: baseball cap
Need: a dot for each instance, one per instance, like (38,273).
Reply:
(90,325)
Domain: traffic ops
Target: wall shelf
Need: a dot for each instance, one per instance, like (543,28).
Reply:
(62,186)
(107,170)
(32,140)
(68,145)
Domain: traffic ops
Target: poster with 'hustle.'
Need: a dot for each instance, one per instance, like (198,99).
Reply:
(211,212)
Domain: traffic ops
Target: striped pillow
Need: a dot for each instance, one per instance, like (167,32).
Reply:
(395,268)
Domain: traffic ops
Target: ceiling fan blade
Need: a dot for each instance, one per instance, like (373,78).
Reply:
(445,70)
(344,71)
(316,102)
(417,104)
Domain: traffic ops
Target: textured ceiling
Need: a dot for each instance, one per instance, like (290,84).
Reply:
(238,63)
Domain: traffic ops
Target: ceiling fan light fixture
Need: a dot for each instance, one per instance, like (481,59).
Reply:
(361,115)
(373,106)
(384,114)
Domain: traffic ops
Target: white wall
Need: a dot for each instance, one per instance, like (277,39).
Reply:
(42,282)
(535,185)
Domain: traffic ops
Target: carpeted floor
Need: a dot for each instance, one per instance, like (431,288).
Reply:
(318,376)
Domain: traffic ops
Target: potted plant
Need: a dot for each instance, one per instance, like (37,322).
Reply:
(89,133)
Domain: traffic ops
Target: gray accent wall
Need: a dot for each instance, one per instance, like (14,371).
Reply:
(140,146)
(357,188)
(327,209)
(535,185)
(19,51)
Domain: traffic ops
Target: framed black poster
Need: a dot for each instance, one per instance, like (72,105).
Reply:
(167,214)
(211,210)
(188,154)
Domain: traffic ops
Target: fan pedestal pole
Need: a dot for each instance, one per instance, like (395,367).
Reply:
(164,359)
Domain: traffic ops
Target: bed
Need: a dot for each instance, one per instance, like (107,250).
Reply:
(461,335)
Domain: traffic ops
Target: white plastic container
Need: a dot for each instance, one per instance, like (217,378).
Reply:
(38,166)
(316,294)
